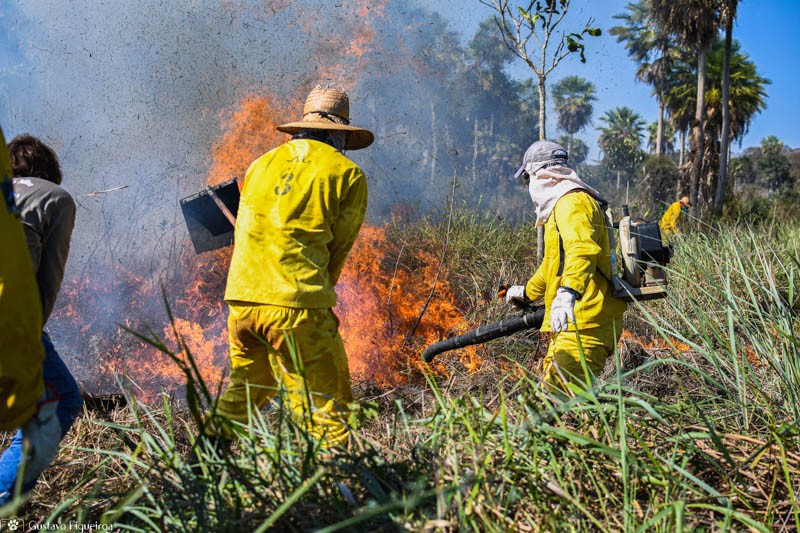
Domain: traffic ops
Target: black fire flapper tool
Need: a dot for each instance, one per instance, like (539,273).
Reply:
(531,318)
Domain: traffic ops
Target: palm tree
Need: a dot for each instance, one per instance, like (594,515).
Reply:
(578,149)
(681,108)
(747,98)
(667,138)
(572,99)
(652,49)
(621,140)
(694,23)
(727,15)
(747,90)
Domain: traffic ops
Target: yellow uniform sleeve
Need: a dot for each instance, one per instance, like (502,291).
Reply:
(21,350)
(346,228)
(579,239)
(536,286)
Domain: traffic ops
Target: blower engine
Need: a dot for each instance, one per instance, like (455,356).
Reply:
(643,259)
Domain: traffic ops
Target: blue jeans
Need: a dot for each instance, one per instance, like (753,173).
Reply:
(58,377)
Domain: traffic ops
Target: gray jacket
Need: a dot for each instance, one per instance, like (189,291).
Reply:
(48,215)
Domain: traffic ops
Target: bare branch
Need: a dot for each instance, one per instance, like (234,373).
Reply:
(97,193)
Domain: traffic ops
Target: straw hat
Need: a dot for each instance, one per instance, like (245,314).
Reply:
(328,108)
(685,201)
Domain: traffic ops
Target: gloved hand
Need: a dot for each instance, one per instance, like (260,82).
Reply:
(562,310)
(40,436)
(515,294)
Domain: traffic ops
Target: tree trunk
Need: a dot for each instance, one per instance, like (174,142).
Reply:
(542,112)
(542,137)
(681,170)
(660,130)
(719,196)
(475,151)
(434,155)
(697,136)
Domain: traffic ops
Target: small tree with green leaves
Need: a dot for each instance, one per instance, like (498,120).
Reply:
(530,30)
(775,166)
(660,181)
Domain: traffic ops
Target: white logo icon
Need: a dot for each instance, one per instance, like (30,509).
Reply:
(13,524)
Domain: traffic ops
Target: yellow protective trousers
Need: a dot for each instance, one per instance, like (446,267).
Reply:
(293,351)
(563,362)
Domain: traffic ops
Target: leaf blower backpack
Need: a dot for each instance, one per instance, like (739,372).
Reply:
(643,255)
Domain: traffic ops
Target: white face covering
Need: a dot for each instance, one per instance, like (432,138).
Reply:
(549,184)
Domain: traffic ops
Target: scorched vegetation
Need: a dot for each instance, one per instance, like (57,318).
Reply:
(694,423)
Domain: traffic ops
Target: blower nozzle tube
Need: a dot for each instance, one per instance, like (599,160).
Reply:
(530,320)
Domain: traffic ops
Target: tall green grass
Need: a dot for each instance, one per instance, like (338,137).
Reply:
(703,435)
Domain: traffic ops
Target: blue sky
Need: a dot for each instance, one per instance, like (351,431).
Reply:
(766,30)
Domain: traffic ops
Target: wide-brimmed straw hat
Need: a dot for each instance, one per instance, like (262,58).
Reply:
(685,201)
(328,108)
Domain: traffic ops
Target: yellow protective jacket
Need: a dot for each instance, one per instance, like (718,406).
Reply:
(21,350)
(301,207)
(669,222)
(577,228)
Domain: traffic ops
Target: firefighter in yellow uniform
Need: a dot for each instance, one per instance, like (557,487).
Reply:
(21,350)
(669,222)
(584,318)
(301,207)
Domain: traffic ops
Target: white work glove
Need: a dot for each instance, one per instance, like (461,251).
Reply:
(562,310)
(515,294)
(40,436)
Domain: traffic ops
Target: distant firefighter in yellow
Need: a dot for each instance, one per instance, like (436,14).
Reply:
(669,222)
(302,205)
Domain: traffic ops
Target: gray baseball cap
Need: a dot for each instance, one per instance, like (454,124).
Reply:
(543,154)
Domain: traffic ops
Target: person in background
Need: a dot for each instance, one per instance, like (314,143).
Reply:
(301,207)
(47,213)
(22,399)
(581,313)
(669,222)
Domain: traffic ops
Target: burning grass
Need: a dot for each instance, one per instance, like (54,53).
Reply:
(390,305)
(684,430)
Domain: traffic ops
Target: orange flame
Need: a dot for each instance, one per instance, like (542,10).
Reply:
(388,310)
(656,343)
(386,316)
(249,134)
